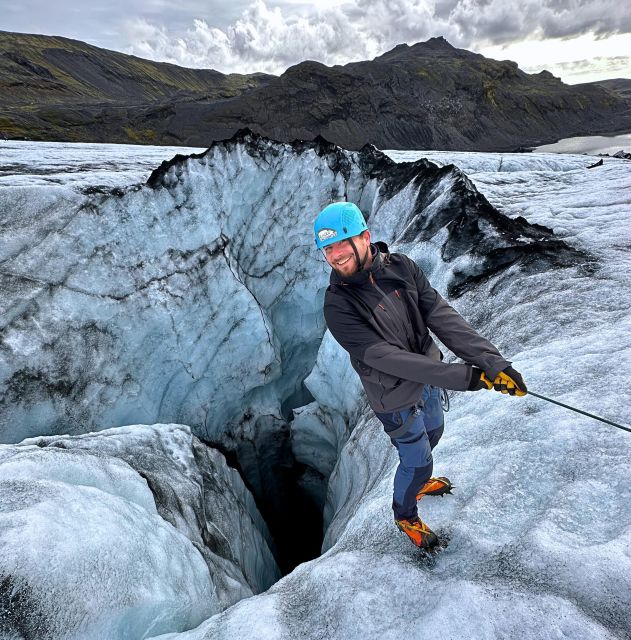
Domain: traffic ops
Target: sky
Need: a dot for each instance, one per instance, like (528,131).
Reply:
(576,40)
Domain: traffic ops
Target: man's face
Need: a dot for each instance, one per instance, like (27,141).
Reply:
(341,257)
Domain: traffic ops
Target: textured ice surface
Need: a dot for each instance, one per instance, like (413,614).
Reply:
(80,165)
(472,163)
(539,527)
(197,299)
(590,144)
(538,530)
(123,534)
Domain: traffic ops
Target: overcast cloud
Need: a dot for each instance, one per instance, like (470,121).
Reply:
(270,35)
(574,72)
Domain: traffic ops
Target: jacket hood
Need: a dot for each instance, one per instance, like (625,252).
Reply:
(380,257)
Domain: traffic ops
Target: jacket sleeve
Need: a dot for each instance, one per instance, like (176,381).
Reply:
(365,345)
(454,331)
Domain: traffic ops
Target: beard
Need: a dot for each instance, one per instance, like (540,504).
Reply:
(352,266)
(348,268)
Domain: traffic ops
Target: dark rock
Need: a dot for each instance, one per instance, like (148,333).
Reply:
(621,155)
(430,95)
(619,86)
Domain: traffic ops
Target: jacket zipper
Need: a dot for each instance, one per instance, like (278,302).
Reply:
(385,297)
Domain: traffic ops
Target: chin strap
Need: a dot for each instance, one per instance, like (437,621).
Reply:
(360,263)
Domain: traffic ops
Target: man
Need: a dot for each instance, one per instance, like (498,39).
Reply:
(379,307)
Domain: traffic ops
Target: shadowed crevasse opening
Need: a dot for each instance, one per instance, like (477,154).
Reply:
(290,495)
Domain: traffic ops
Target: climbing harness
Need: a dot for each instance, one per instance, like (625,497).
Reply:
(590,415)
(444,400)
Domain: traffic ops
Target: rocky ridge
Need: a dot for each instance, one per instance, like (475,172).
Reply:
(427,96)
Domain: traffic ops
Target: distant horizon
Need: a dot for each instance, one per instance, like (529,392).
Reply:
(590,42)
(597,144)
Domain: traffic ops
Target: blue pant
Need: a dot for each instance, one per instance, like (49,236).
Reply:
(415,448)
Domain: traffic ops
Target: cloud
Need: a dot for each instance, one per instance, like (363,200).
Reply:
(497,21)
(580,59)
(261,39)
(270,35)
(100,23)
(588,70)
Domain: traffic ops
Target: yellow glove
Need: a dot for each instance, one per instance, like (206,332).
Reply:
(479,380)
(510,381)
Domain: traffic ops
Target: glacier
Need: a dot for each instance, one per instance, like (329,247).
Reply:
(129,531)
(91,167)
(139,386)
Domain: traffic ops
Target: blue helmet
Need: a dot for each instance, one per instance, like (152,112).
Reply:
(336,222)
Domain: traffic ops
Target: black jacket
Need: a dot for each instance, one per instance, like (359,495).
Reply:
(381,316)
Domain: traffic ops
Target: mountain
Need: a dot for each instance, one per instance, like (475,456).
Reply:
(621,86)
(53,69)
(54,88)
(429,95)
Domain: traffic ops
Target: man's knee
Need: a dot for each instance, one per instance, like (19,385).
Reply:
(414,449)
(435,435)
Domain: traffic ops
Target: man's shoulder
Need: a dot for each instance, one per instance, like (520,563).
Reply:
(334,296)
(402,265)
(401,257)
(338,308)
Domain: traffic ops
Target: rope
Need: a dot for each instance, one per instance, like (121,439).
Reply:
(590,415)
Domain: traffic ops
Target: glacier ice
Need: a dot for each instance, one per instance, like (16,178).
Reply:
(124,533)
(538,529)
(122,308)
(93,167)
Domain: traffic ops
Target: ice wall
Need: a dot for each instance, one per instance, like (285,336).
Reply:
(536,534)
(197,299)
(126,533)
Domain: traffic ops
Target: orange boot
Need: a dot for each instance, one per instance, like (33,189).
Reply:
(435,487)
(418,532)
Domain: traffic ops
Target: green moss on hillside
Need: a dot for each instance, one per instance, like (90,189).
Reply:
(141,136)
(52,69)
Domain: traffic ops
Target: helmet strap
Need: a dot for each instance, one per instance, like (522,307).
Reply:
(360,263)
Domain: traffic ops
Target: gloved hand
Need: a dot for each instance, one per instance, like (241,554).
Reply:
(479,380)
(510,381)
